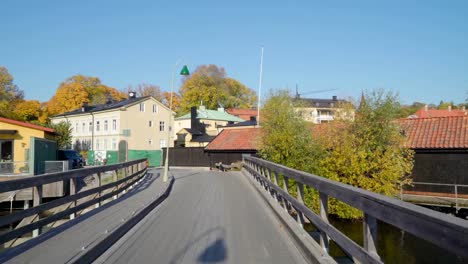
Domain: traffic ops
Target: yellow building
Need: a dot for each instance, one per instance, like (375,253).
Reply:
(15,138)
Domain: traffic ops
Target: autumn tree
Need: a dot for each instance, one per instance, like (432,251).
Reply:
(210,85)
(175,101)
(29,110)
(369,152)
(79,89)
(10,94)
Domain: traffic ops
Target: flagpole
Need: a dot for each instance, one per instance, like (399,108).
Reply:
(260,89)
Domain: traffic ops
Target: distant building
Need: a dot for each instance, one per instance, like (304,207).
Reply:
(118,131)
(426,112)
(200,126)
(320,111)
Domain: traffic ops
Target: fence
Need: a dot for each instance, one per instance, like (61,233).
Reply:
(14,168)
(89,188)
(421,222)
(443,194)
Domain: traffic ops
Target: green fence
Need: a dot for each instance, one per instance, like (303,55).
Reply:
(112,157)
(153,156)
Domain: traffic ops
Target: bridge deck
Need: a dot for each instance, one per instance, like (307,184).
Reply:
(208,217)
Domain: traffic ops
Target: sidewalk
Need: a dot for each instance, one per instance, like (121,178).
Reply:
(73,239)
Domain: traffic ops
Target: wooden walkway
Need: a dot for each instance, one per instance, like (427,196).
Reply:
(209,217)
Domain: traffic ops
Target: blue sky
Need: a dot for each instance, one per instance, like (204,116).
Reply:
(416,48)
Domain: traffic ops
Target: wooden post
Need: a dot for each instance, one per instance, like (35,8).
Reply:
(324,239)
(37,200)
(300,198)
(114,179)
(370,234)
(72,192)
(99,184)
(285,188)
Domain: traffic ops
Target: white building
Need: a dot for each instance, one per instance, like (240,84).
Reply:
(135,124)
(322,110)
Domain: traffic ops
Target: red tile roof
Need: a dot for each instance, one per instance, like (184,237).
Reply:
(422,113)
(24,124)
(235,139)
(242,113)
(436,132)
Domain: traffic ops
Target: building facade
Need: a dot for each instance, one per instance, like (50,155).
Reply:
(135,124)
(320,111)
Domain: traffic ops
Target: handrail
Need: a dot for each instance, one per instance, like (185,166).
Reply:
(131,172)
(422,222)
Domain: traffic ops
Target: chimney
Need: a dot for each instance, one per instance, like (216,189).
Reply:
(193,117)
(131,95)
(220,109)
(84,107)
(334,98)
(463,108)
(426,107)
(449,108)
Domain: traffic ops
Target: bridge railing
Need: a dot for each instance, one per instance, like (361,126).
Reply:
(446,231)
(89,188)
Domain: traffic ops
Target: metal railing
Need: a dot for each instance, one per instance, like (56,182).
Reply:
(89,188)
(14,168)
(437,193)
(432,226)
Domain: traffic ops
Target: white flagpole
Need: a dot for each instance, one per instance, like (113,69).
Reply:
(260,89)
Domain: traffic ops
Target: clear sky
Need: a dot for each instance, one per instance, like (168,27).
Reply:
(416,48)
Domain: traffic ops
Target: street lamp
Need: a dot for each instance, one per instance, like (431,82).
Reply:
(185,72)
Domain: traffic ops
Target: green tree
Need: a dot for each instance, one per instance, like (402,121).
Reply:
(368,153)
(10,94)
(64,131)
(210,85)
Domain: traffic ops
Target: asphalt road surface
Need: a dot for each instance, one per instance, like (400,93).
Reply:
(210,217)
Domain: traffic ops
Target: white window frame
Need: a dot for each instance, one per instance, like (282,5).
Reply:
(142,107)
(162,126)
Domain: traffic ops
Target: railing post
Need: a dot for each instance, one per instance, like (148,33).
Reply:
(276,181)
(285,189)
(456,198)
(99,184)
(300,198)
(324,239)
(37,200)
(370,234)
(268,173)
(72,192)
(114,179)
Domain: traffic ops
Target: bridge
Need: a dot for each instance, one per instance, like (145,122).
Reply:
(124,213)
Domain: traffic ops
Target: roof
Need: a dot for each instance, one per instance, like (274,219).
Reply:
(235,139)
(212,115)
(242,113)
(191,131)
(241,124)
(423,113)
(25,124)
(436,133)
(105,107)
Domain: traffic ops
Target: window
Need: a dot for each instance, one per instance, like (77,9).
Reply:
(162,143)
(114,144)
(76,127)
(90,127)
(142,107)
(83,127)
(6,150)
(162,126)
(97,144)
(150,123)
(106,125)
(105,144)
(150,142)
(97,126)
(155,108)
(114,125)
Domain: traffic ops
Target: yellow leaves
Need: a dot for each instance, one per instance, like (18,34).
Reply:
(28,110)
